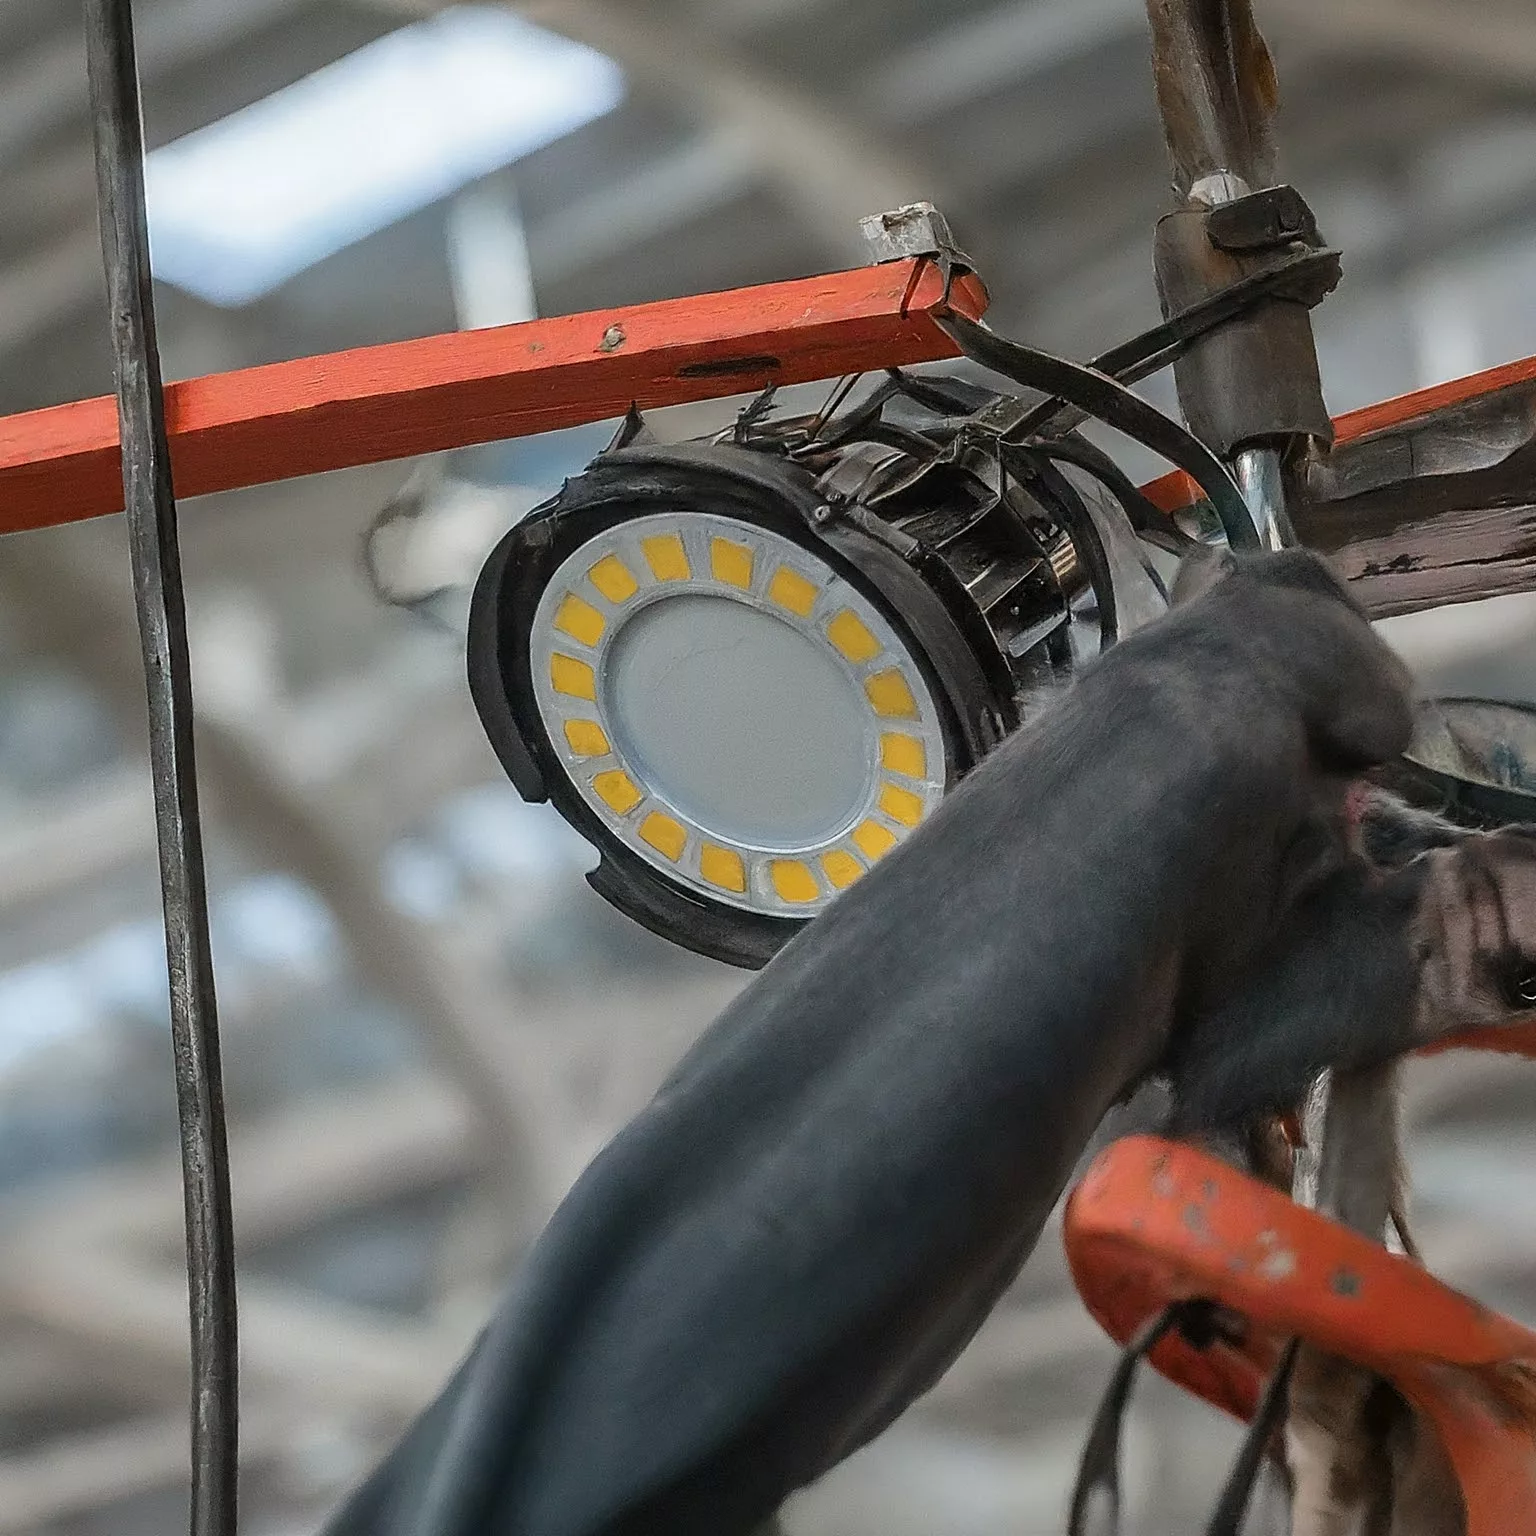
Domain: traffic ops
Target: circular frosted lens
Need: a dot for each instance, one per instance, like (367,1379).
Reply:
(740,720)
(736,714)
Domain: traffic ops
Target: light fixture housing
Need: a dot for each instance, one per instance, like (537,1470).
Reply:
(748,668)
(741,702)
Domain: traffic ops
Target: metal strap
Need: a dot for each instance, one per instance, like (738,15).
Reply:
(1111,402)
(1302,277)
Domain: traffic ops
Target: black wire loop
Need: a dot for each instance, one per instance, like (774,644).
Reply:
(1112,403)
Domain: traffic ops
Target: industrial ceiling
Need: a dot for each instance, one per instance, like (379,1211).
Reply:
(432,1023)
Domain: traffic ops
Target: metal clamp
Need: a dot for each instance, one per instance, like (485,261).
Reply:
(920,231)
(916,229)
(1262,220)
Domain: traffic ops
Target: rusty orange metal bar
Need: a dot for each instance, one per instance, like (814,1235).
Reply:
(1156,1221)
(372,404)
(313,414)
(338,410)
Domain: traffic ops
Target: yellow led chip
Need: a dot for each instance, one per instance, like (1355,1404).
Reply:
(873,839)
(723,867)
(586,738)
(580,620)
(617,791)
(794,880)
(665,835)
(901,805)
(611,577)
(848,633)
(667,558)
(904,755)
(570,676)
(890,695)
(842,869)
(789,589)
(731,562)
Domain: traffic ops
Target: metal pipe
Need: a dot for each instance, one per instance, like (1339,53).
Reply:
(1258,475)
(152,542)
(1216,94)
(1256,469)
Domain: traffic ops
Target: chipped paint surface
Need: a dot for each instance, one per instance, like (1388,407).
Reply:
(1145,1228)
(1278,1264)
(1194,1220)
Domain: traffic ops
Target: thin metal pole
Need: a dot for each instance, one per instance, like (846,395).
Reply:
(1261,479)
(151,515)
(1257,469)
(1217,98)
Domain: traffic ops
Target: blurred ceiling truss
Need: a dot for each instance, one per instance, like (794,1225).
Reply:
(823,162)
(829,157)
(1498,46)
(44,89)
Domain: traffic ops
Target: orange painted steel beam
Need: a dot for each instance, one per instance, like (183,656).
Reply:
(1155,1221)
(1504,1039)
(1176,490)
(405,398)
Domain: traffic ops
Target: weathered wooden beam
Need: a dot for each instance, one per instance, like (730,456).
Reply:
(1430,560)
(257,425)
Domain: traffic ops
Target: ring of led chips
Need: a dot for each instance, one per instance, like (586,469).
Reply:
(736,713)
(742,703)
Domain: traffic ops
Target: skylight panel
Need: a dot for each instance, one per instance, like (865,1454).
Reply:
(239,207)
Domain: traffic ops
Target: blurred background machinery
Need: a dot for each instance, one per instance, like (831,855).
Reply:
(430,1021)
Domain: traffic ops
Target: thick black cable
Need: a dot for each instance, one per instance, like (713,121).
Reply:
(152,542)
(1232,1509)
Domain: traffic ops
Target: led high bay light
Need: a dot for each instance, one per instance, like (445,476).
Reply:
(744,710)
(747,669)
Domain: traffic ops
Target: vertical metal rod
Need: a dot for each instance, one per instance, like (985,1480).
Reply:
(151,516)
(1259,477)
(1257,470)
